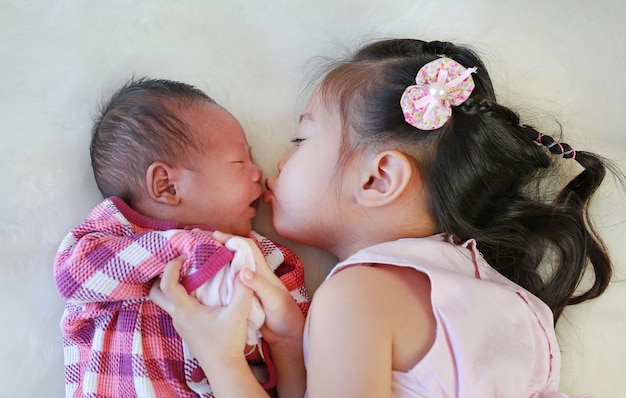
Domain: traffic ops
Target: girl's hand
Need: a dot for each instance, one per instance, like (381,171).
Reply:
(283,318)
(226,326)
(284,322)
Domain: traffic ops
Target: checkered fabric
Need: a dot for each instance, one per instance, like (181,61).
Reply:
(118,343)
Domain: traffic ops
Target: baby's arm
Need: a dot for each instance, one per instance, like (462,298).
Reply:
(105,260)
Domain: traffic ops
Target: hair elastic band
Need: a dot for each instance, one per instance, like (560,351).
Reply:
(569,152)
(566,150)
(553,144)
(572,151)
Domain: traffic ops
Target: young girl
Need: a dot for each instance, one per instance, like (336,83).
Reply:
(432,195)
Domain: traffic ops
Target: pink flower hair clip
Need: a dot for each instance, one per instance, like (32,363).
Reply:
(440,84)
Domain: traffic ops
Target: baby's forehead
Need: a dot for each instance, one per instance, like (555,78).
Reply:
(212,127)
(209,119)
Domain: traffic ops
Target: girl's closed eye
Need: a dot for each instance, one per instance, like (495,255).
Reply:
(297,141)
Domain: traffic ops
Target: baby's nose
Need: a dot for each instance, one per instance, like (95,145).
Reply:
(257,176)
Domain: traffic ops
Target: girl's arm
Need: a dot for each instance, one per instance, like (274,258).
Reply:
(221,356)
(284,318)
(290,271)
(366,321)
(284,323)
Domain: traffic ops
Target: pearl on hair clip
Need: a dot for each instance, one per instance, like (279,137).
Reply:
(437,90)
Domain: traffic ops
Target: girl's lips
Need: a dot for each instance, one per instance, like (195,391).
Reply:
(268,194)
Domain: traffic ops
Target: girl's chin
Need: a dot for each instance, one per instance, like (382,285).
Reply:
(281,229)
(297,236)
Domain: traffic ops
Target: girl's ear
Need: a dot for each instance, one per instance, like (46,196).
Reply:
(384,179)
(161,183)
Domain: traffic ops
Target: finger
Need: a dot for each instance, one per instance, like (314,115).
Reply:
(242,296)
(157,296)
(171,275)
(283,317)
(260,263)
(241,301)
(167,292)
(268,293)
(202,231)
(264,271)
(221,237)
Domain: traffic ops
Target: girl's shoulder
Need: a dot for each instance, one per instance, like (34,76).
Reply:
(371,278)
(391,304)
(366,281)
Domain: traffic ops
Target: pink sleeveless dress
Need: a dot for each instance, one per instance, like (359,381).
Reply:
(493,338)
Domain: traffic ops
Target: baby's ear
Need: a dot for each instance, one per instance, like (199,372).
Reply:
(384,178)
(161,183)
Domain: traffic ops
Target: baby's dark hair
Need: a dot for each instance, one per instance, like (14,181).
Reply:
(138,126)
(482,170)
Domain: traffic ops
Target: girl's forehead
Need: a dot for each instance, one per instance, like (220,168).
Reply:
(314,103)
(320,105)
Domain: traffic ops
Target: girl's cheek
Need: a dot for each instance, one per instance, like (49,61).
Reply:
(281,163)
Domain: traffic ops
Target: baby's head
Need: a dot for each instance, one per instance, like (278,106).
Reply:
(172,153)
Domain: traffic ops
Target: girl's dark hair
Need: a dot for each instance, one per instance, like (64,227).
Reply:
(484,172)
(137,126)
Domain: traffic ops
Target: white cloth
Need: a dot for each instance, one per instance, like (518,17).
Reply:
(219,290)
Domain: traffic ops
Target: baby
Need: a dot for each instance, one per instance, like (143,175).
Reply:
(173,165)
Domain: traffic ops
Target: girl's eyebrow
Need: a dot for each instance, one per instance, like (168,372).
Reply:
(304,116)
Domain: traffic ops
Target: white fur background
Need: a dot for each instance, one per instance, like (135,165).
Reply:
(58,59)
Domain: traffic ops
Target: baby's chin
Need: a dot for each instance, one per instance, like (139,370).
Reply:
(243,229)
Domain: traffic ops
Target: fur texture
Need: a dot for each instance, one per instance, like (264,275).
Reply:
(58,60)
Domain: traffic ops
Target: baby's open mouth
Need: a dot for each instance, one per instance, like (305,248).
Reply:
(255,203)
